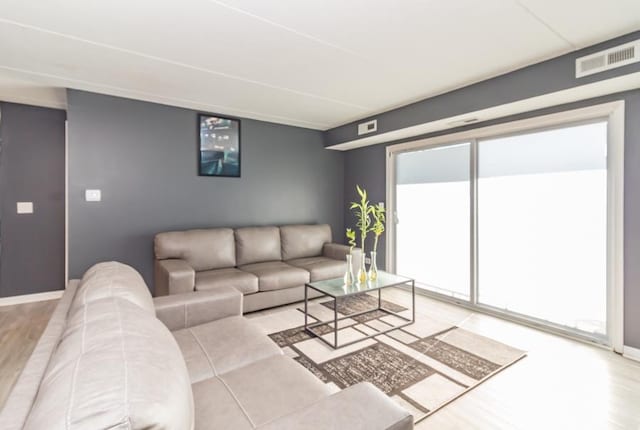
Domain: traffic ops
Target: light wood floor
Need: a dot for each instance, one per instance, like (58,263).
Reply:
(20,329)
(561,384)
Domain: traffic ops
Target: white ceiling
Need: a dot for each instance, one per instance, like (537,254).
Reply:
(312,63)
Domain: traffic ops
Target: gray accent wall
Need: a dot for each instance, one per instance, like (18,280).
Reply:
(31,170)
(366,166)
(143,156)
(542,78)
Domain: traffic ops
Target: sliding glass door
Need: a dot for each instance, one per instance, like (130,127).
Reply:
(521,224)
(542,225)
(433,218)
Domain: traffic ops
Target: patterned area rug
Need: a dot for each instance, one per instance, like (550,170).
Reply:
(360,303)
(422,366)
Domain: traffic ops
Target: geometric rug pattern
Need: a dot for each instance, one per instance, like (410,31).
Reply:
(423,366)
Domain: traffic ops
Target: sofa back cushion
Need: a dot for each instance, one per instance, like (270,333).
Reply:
(116,366)
(113,279)
(300,241)
(205,249)
(257,244)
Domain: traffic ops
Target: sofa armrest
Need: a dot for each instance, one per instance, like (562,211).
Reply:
(186,310)
(173,277)
(339,252)
(359,407)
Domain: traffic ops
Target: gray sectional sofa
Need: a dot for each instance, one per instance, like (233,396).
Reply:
(269,265)
(112,357)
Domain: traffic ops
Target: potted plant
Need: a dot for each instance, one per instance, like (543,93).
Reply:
(377,229)
(362,210)
(348,276)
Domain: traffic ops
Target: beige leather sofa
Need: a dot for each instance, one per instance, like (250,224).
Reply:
(269,265)
(112,357)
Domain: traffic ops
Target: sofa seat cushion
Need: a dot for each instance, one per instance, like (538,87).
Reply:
(244,282)
(265,390)
(276,275)
(221,346)
(321,268)
(216,408)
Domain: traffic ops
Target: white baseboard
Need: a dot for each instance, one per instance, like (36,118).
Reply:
(631,353)
(28,298)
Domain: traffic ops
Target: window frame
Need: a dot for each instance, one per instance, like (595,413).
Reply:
(613,113)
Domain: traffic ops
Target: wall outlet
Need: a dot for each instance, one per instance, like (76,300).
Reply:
(92,195)
(24,207)
(367,260)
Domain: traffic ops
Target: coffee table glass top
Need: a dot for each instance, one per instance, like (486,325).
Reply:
(336,288)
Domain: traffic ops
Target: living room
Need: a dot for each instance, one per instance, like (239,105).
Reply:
(243,214)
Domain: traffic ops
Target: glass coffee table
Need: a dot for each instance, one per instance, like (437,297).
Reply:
(336,289)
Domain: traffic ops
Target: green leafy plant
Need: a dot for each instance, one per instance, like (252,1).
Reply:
(351,236)
(362,210)
(377,228)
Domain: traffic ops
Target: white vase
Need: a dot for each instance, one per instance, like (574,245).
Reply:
(362,271)
(373,268)
(348,276)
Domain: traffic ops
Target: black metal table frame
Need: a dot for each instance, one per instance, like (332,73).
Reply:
(309,327)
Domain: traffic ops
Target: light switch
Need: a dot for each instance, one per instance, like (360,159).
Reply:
(25,207)
(92,195)
(381,204)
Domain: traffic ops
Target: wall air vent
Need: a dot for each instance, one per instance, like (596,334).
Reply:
(608,59)
(367,127)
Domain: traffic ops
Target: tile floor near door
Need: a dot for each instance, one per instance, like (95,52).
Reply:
(561,384)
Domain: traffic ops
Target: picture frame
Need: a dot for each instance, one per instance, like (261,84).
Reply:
(219,151)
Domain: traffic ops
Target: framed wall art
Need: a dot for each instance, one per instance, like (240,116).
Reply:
(218,146)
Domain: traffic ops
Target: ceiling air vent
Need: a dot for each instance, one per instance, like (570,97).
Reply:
(367,127)
(612,58)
